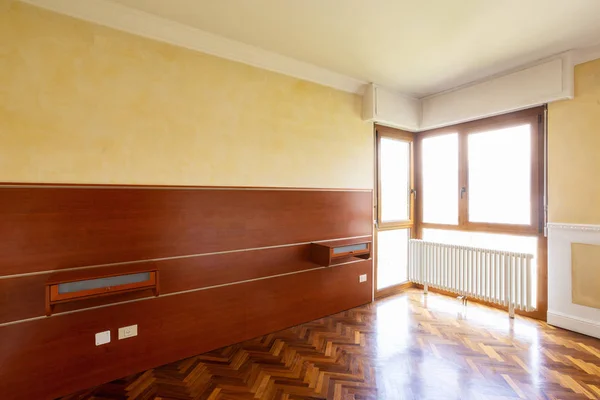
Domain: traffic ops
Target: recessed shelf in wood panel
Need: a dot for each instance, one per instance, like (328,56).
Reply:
(339,251)
(65,287)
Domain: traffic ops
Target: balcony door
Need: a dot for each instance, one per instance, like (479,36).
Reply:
(394,224)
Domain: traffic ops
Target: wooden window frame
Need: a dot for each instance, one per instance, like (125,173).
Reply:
(384,131)
(531,116)
(534,116)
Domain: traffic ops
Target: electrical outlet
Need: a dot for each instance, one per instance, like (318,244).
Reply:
(362,278)
(128,331)
(102,338)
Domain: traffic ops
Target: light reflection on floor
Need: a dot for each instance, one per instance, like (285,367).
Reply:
(408,346)
(415,359)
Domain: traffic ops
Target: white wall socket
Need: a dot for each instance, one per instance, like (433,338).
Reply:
(362,278)
(128,331)
(102,338)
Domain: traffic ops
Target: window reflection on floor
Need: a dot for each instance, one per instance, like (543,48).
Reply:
(428,345)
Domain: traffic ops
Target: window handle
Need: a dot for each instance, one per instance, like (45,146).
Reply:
(463,190)
(413,192)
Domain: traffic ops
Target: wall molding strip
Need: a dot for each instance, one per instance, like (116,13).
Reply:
(178,257)
(578,227)
(179,293)
(19,185)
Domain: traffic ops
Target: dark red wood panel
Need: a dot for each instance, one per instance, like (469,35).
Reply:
(303,297)
(23,297)
(48,228)
(46,358)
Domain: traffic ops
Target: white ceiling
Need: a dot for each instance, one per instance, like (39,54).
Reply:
(417,47)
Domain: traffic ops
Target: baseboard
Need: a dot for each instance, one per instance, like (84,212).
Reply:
(390,291)
(575,324)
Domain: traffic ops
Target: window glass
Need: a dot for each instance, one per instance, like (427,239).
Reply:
(392,257)
(440,179)
(395,179)
(500,176)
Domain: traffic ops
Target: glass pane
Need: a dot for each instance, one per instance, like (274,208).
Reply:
(395,179)
(352,247)
(500,176)
(440,179)
(493,241)
(392,257)
(103,282)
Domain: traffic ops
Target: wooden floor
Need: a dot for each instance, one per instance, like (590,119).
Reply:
(409,346)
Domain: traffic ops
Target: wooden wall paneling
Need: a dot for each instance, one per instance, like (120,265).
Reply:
(23,297)
(51,228)
(207,300)
(58,354)
(275,306)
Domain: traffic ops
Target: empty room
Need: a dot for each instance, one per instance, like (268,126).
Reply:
(316,199)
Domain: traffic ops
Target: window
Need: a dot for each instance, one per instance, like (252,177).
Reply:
(481,185)
(440,179)
(482,175)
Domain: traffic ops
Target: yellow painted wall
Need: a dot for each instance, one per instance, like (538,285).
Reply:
(574,151)
(585,274)
(81,103)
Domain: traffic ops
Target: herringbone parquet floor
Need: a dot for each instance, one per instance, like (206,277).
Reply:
(408,346)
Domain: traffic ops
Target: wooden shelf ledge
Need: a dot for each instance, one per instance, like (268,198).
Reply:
(70,286)
(340,251)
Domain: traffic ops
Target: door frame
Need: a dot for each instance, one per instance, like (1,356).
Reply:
(379,132)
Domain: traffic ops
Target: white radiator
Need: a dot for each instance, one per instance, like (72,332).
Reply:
(499,277)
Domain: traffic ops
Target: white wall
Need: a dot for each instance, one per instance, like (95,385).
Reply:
(391,109)
(561,310)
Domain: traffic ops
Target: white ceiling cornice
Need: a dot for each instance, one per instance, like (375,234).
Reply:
(586,54)
(570,57)
(117,16)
